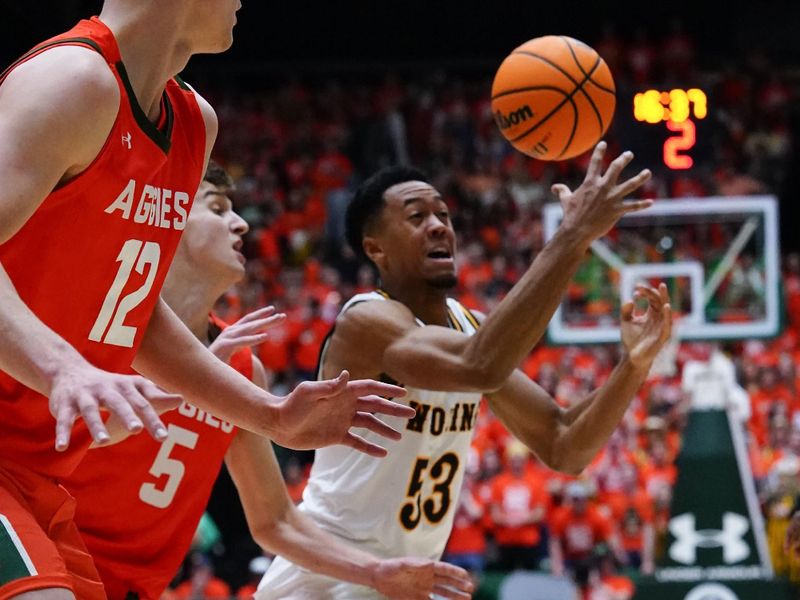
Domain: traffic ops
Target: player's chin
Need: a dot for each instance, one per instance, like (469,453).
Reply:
(442,281)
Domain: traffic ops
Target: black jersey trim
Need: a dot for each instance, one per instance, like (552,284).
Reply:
(162,139)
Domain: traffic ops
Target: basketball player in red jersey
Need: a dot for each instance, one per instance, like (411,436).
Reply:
(139,530)
(101,151)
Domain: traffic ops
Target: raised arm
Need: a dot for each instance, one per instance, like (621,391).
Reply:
(56,112)
(278,527)
(435,358)
(567,440)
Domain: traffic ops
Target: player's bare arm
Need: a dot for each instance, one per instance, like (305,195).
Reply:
(567,440)
(278,527)
(432,357)
(56,112)
(313,415)
(251,330)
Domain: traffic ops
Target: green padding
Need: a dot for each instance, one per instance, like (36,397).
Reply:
(12,565)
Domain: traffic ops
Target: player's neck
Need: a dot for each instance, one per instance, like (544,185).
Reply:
(426,303)
(191,297)
(151,48)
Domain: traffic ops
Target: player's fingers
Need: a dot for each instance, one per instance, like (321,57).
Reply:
(663,292)
(667,314)
(627,187)
(445,591)
(247,340)
(376,404)
(257,324)
(65,419)
(356,442)
(448,574)
(148,391)
(374,424)
(256,314)
(626,312)
(560,191)
(596,162)
(653,297)
(447,570)
(630,206)
(118,405)
(615,168)
(327,387)
(367,387)
(87,405)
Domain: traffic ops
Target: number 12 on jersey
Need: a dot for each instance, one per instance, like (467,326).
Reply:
(114,309)
(435,506)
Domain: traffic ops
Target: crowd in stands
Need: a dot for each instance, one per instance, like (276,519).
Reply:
(298,150)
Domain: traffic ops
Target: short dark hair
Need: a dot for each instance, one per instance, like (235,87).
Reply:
(368,201)
(218,176)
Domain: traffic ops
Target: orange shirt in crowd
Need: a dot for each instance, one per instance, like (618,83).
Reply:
(468,534)
(516,497)
(579,534)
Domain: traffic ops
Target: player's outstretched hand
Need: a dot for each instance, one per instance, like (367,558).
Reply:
(251,330)
(420,579)
(320,413)
(85,390)
(643,334)
(599,202)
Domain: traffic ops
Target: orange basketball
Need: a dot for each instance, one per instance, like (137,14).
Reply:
(553,97)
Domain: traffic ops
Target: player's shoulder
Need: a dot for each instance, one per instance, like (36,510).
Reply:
(74,74)
(368,312)
(208,112)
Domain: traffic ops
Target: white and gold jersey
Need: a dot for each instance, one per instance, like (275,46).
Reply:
(403,504)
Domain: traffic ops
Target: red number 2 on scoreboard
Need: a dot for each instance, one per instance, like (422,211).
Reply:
(674,144)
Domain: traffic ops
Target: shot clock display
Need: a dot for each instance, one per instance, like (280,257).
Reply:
(676,109)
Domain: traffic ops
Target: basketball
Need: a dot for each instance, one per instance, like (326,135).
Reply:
(553,97)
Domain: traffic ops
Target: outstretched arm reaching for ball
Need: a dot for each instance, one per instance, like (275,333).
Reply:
(280,528)
(373,338)
(568,439)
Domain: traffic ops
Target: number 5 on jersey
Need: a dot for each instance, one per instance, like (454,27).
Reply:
(135,254)
(171,467)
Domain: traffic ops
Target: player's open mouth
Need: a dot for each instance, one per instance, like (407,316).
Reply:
(440,255)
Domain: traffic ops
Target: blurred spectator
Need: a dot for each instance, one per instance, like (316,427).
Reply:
(519,505)
(576,528)
(467,544)
(202,585)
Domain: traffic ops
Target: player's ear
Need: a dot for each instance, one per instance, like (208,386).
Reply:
(374,250)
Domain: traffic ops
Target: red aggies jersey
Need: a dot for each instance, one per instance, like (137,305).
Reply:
(91,260)
(139,501)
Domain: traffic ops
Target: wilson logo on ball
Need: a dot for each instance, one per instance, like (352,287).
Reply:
(514,118)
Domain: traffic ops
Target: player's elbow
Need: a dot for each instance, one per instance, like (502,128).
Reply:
(567,459)
(483,375)
(560,452)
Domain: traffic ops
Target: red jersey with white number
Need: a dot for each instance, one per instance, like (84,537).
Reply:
(90,262)
(139,501)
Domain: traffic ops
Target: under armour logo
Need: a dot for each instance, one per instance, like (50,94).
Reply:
(688,539)
(126,140)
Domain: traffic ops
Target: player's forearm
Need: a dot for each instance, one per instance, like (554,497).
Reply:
(30,352)
(300,541)
(514,327)
(589,424)
(177,361)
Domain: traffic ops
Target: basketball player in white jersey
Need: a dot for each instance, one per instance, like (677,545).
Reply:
(412,333)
